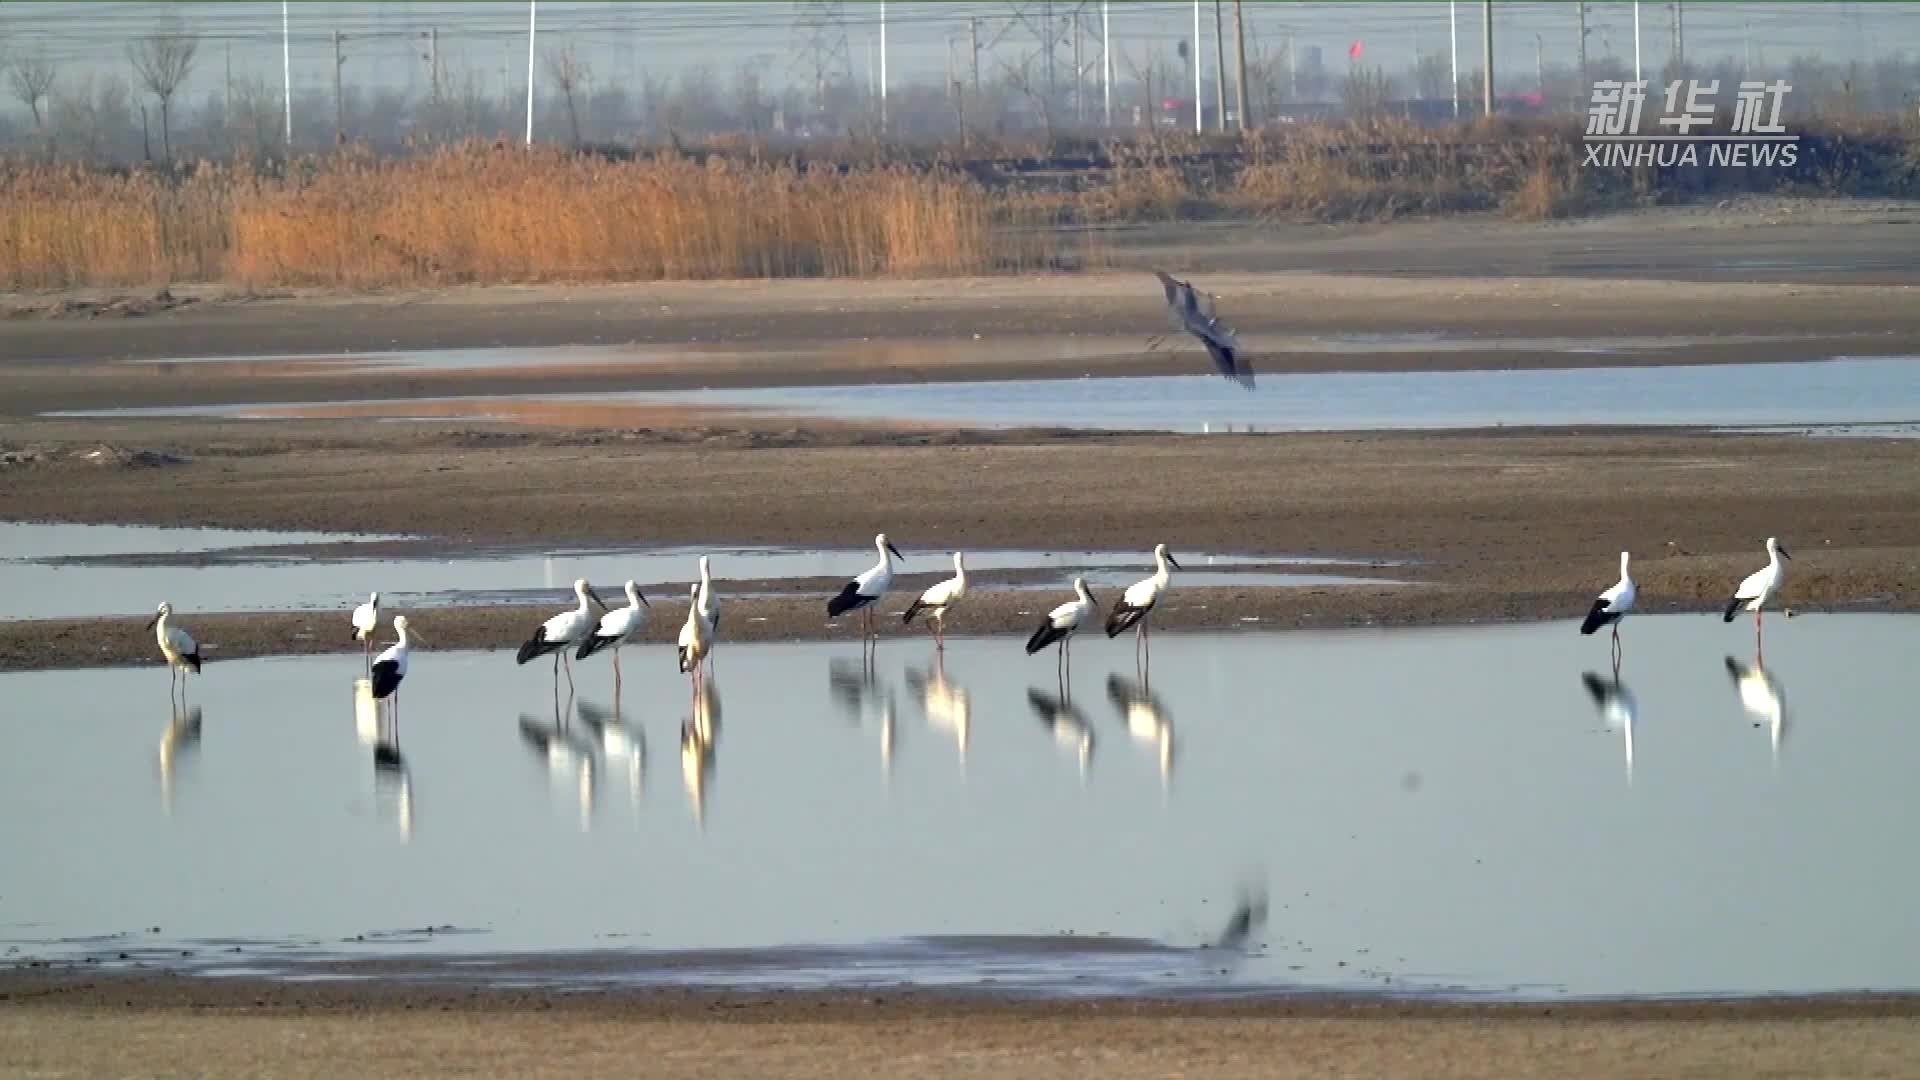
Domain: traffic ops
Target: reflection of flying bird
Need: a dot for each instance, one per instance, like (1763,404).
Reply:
(1061,623)
(1067,722)
(616,627)
(176,645)
(567,629)
(1762,698)
(1146,718)
(366,618)
(1193,314)
(870,586)
(1612,605)
(1758,587)
(938,600)
(1131,610)
(1617,708)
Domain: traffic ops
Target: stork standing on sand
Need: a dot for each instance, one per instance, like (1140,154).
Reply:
(1193,314)
(938,600)
(567,629)
(864,591)
(1759,587)
(177,646)
(1131,610)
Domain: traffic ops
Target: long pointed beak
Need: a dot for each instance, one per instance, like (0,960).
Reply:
(643,599)
(1173,562)
(152,621)
(896,552)
(1783,553)
(596,599)
(414,634)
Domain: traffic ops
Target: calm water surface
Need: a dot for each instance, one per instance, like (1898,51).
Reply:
(1444,811)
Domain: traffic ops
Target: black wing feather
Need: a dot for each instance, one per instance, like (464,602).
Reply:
(386,678)
(1123,617)
(593,644)
(193,660)
(1046,635)
(536,646)
(1598,617)
(1733,605)
(847,600)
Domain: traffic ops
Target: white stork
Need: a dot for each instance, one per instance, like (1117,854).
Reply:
(616,627)
(566,629)
(938,600)
(863,591)
(1061,623)
(178,646)
(1131,610)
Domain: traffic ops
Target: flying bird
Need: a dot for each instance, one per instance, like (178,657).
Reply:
(1193,314)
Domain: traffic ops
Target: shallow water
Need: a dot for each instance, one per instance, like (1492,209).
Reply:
(1842,391)
(73,571)
(1430,811)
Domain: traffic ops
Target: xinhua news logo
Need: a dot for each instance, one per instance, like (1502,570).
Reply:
(1614,137)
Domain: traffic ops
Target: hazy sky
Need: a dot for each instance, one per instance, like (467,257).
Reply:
(385,42)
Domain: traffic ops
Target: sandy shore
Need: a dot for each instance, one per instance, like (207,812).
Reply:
(56,1023)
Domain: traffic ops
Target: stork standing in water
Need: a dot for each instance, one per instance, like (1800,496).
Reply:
(1193,314)
(178,646)
(391,667)
(569,628)
(864,591)
(1131,610)
(1758,588)
(1060,625)
(615,628)
(709,606)
(1611,607)
(938,600)
(696,641)
(366,618)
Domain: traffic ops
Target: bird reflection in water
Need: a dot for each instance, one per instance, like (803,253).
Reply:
(622,746)
(945,703)
(1762,698)
(857,689)
(1147,720)
(180,739)
(699,733)
(1068,724)
(1617,707)
(568,756)
(380,733)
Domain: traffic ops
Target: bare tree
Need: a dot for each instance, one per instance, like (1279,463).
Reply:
(95,113)
(1152,77)
(31,80)
(161,62)
(568,71)
(1022,78)
(749,99)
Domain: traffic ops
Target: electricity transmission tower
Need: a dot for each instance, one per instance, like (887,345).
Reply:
(1064,36)
(821,26)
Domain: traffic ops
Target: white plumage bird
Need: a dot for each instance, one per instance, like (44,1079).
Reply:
(176,645)
(870,586)
(695,637)
(1612,606)
(366,617)
(616,627)
(1061,623)
(939,599)
(1131,610)
(391,666)
(567,629)
(1759,587)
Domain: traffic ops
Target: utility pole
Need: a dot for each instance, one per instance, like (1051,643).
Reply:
(1106,61)
(1486,52)
(433,63)
(286,65)
(1540,64)
(883,65)
(1051,85)
(533,25)
(1636,41)
(973,43)
(1746,41)
(1679,37)
(1079,98)
(339,113)
(1453,44)
(1193,54)
(229,98)
(1219,71)
(1240,63)
(1293,74)
(1586,87)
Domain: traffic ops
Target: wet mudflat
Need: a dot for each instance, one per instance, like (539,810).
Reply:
(1449,811)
